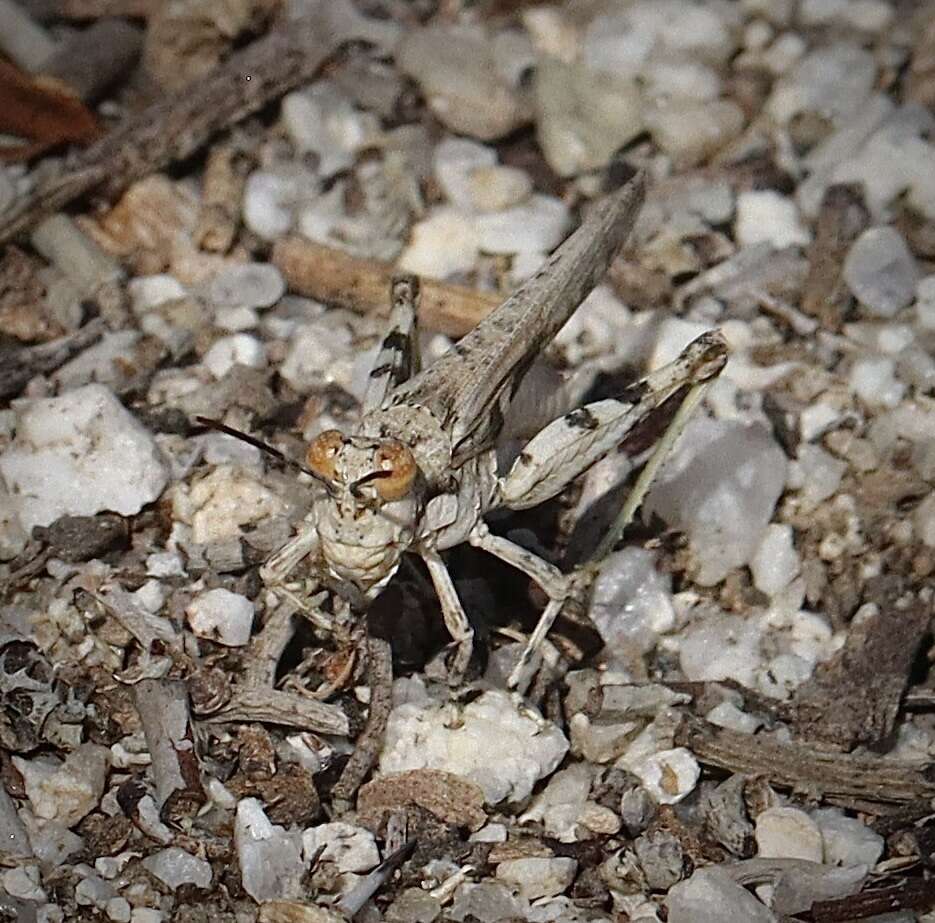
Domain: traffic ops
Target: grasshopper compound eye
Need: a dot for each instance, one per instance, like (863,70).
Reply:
(322,452)
(396,471)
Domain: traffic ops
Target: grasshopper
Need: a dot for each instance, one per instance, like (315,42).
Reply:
(419,471)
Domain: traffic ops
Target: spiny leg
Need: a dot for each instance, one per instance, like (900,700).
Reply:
(556,585)
(398,358)
(456,621)
(277,569)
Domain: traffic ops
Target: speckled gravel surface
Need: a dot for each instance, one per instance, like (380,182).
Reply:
(736,727)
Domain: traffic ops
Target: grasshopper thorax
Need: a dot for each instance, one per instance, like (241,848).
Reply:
(368,516)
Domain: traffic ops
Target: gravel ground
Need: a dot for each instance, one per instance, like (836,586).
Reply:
(734,725)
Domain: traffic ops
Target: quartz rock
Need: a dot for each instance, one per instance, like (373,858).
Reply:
(350,848)
(690,132)
(444,243)
(457,72)
(847,841)
(80,454)
(787,833)
(880,271)
(68,791)
(631,601)
(175,867)
(583,117)
(767,215)
(776,562)
(720,486)
(455,161)
(503,751)
(269,857)
(237,349)
(711,896)
(537,225)
(537,876)
(249,285)
(222,616)
(487,901)
(668,775)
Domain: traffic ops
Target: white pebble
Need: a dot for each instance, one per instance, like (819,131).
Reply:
(237,349)
(350,848)
(236,320)
(269,857)
(148,292)
(880,271)
(445,242)
(322,120)
(175,867)
(455,161)
(712,896)
(873,380)
(717,648)
(268,203)
(721,486)
(816,419)
(681,78)
(783,674)
(540,223)
(925,302)
(816,474)
(689,132)
(669,775)
(727,715)
(631,601)
(768,216)
(319,353)
(496,188)
(847,841)
(23,882)
(776,562)
(537,876)
(222,616)
(787,833)
(65,791)
(80,454)
(924,521)
(502,750)
(247,285)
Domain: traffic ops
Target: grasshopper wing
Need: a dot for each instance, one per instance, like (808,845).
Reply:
(470,386)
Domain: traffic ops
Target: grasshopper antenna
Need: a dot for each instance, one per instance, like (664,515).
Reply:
(258,444)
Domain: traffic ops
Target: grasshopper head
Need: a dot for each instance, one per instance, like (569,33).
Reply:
(369,516)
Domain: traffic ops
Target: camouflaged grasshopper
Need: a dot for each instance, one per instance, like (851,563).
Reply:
(419,471)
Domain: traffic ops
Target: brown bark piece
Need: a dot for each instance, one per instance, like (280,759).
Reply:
(361,285)
(842,217)
(799,766)
(854,698)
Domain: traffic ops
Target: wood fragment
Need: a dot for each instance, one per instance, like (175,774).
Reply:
(222,193)
(170,738)
(368,745)
(18,366)
(174,128)
(362,285)
(913,894)
(255,703)
(854,698)
(843,216)
(800,766)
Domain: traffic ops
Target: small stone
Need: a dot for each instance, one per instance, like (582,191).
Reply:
(661,859)
(880,271)
(238,349)
(68,791)
(175,867)
(148,292)
(455,161)
(765,215)
(584,117)
(816,474)
(78,455)
(270,199)
(118,910)
(459,79)
(322,120)
(248,285)
(350,848)
(413,906)
(712,896)
(923,521)
(538,877)
(669,775)
(537,225)
(23,882)
(442,244)
(319,353)
(717,648)
(775,563)
(488,901)
(631,600)
(270,859)
(847,841)
(496,188)
(500,749)
(787,833)
(690,132)
(727,715)
(221,616)
(721,486)
(873,380)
